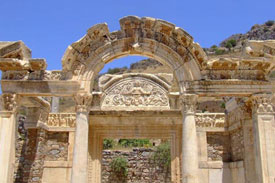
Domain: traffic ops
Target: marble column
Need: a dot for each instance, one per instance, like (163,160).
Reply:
(189,139)
(80,156)
(7,136)
(264,133)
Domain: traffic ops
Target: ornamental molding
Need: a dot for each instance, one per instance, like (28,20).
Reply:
(262,103)
(135,93)
(188,103)
(83,102)
(210,120)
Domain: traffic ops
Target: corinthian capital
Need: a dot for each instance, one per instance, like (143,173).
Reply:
(188,103)
(83,101)
(262,103)
(9,101)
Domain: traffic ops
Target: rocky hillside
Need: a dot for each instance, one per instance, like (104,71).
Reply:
(257,32)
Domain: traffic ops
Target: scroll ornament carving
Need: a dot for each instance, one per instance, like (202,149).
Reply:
(210,120)
(188,103)
(262,104)
(9,101)
(61,120)
(83,101)
(134,93)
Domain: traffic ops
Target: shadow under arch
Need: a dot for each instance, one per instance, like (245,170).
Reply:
(153,38)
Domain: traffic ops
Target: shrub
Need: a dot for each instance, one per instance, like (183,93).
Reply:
(108,143)
(162,156)
(232,42)
(214,46)
(119,167)
(134,142)
(269,22)
(228,45)
(219,52)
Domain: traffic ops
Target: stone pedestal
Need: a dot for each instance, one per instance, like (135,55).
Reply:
(189,140)
(263,124)
(80,156)
(7,137)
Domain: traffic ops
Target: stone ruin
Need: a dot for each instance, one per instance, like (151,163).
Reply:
(209,144)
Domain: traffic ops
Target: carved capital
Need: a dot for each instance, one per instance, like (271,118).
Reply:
(9,101)
(188,103)
(83,101)
(262,103)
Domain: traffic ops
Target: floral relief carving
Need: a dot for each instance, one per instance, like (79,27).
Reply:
(137,92)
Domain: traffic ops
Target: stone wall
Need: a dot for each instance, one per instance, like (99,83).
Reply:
(237,144)
(33,147)
(140,168)
(218,147)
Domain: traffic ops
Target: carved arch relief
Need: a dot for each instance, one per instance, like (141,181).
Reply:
(135,93)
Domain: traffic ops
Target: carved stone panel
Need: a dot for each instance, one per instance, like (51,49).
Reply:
(135,93)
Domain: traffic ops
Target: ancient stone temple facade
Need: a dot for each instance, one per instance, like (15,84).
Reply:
(235,144)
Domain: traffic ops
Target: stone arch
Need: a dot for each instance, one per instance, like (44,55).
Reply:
(145,36)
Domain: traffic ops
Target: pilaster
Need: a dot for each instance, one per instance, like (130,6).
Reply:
(263,125)
(7,136)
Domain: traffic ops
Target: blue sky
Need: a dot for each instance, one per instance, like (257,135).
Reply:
(48,27)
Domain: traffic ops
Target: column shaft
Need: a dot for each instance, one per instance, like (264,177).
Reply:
(189,140)
(80,157)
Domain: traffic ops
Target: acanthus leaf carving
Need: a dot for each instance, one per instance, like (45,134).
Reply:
(83,101)
(262,103)
(9,101)
(188,103)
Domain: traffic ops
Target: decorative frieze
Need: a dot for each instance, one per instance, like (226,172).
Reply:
(34,75)
(188,103)
(210,120)
(83,101)
(61,120)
